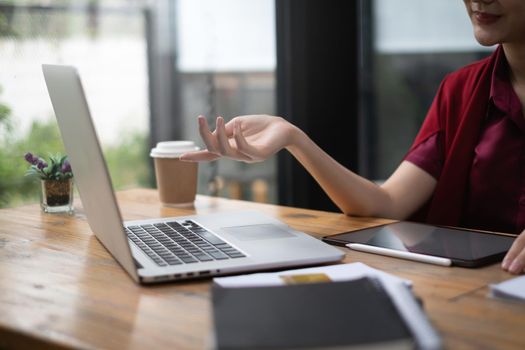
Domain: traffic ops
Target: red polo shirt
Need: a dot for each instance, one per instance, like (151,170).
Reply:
(494,195)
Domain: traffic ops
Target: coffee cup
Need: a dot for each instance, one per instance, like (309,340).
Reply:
(176,180)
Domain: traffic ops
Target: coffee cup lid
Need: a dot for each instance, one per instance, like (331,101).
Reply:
(173,149)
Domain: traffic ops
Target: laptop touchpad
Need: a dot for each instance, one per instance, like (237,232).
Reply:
(257,232)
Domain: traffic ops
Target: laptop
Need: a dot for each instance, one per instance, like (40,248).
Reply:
(169,249)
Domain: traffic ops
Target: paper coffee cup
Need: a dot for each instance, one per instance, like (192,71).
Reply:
(176,180)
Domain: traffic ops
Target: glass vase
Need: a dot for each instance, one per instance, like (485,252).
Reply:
(57,196)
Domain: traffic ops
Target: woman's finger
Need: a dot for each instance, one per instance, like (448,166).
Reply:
(199,156)
(518,264)
(517,247)
(225,147)
(229,127)
(207,136)
(242,144)
(227,144)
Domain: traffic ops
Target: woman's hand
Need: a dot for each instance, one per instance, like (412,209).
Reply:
(514,261)
(251,138)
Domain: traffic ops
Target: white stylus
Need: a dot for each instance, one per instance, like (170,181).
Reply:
(399,254)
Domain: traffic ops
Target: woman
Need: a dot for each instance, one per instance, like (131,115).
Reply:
(467,164)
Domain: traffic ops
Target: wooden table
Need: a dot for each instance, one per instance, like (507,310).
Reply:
(61,289)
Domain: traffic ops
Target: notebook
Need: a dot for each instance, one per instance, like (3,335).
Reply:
(357,313)
(165,249)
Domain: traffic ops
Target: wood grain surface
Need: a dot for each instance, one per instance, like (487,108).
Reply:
(61,289)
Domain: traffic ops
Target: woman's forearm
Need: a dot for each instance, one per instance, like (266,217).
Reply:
(406,190)
(353,194)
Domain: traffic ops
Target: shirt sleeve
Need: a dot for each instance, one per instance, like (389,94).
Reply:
(428,155)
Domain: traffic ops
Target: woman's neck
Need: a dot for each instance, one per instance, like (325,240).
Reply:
(515,54)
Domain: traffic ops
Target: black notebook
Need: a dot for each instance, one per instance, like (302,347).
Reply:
(320,315)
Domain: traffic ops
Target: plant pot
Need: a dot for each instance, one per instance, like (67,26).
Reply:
(57,196)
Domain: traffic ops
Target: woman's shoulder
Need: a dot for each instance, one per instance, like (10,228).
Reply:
(469,74)
(459,88)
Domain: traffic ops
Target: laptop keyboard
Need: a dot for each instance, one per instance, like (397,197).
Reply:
(173,243)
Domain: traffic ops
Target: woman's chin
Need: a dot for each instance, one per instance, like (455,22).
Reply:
(486,40)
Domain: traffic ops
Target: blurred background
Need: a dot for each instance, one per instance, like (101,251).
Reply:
(357,76)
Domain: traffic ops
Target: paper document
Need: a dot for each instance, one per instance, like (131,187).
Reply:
(398,289)
(340,272)
(511,289)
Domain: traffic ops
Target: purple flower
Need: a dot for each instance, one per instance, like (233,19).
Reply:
(41,164)
(30,158)
(58,167)
(66,167)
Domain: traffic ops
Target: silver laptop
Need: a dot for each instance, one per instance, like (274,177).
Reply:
(168,248)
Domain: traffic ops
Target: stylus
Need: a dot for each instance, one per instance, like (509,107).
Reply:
(398,254)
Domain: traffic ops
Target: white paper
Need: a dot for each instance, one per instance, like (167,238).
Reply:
(513,289)
(340,272)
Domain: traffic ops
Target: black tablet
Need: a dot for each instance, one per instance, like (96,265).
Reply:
(424,242)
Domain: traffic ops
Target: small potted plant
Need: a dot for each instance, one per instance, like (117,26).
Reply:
(56,179)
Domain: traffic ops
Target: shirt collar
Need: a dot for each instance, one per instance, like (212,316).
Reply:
(502,94)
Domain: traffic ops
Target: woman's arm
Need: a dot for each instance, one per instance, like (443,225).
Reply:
(404,192)
(255,138)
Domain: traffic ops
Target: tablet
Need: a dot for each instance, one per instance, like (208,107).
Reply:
(427,243)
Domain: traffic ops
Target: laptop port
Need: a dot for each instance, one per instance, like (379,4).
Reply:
(204,273)
(189,274)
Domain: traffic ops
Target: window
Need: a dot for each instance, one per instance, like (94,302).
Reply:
(226,63)
(106,41)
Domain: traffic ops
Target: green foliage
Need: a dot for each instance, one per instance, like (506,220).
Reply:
(127,162)
(9,168)
(4,113)
(5,120)
(15,188)
(5,29)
